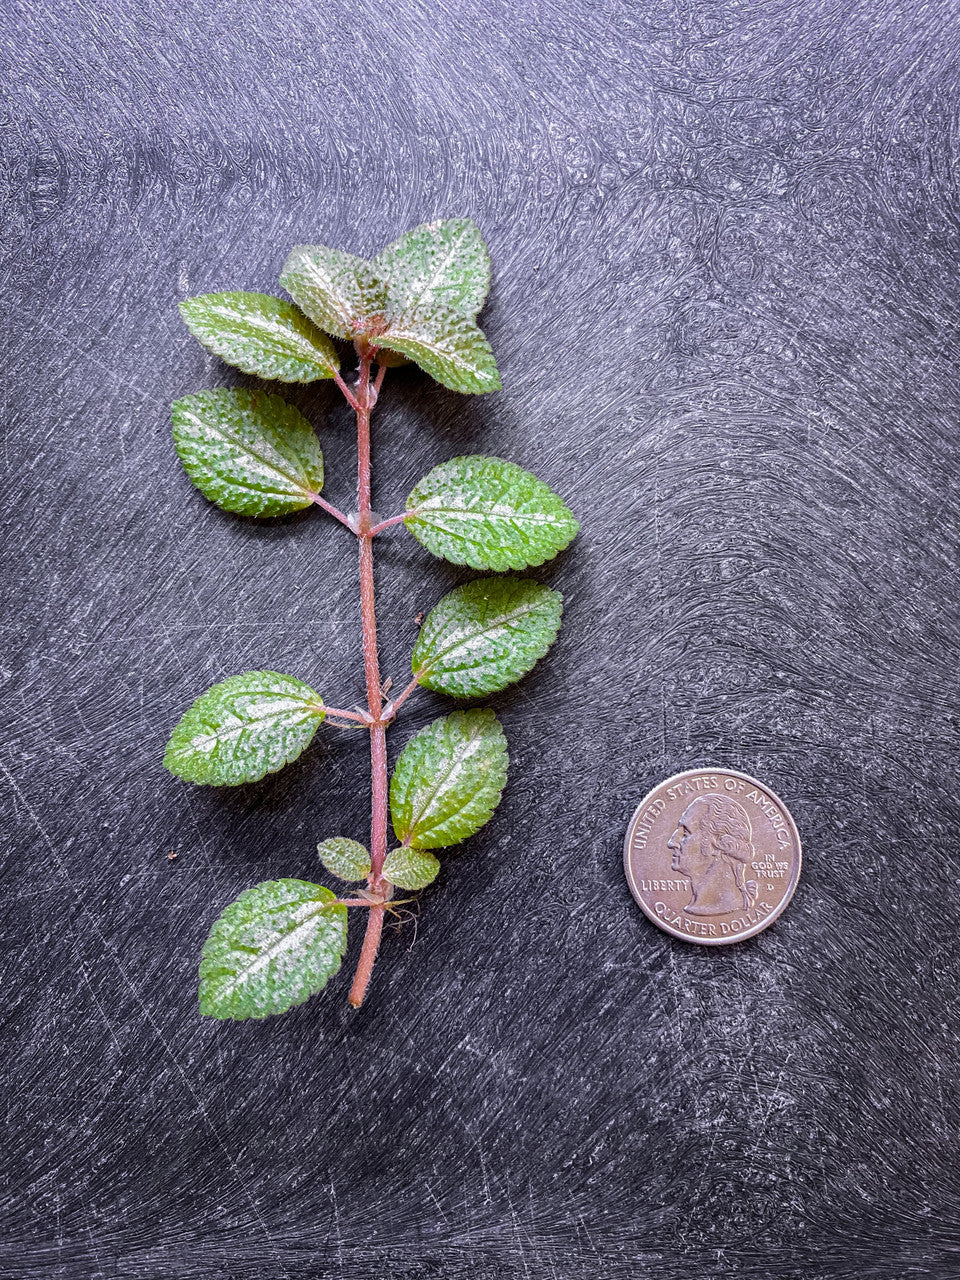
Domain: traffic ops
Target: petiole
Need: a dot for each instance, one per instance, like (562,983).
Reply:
(385,524)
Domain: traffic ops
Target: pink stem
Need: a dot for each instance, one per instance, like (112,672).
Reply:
(371,665)
(368,956)
(391,709)
(385,524)
(348,394)
(332,511)
(345,715)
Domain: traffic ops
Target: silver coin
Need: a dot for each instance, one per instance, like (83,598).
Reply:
(712,856)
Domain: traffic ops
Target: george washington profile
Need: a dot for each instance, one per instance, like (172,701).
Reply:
(713,846)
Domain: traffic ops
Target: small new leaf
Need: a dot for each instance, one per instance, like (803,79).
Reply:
(244,728)
(262,335)
(448,780)
(440,265)
(485,635)
(447,345)
(410,868)
(489,514)
(345,858)
(339,292)
(277,944)
(248,452)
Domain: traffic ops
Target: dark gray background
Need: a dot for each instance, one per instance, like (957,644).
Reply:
(725,243)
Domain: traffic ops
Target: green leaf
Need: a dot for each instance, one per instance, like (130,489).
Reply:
(485,635)
(410,868)
(438,265)
(489,514)
(448,780)
(345,858)
(262,335)
(248,452)
(447,345)
(277,944)
(244,728)
(341,293)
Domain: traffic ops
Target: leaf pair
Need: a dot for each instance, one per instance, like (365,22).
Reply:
(418,300)
(445,786)
(406,868)
(350,860)
(479,639)
(254,454)
(282,941)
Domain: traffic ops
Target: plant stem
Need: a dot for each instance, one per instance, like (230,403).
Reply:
(365,397)
(368,956)
(385,524)
(392,707)
(348,394)
(332,511)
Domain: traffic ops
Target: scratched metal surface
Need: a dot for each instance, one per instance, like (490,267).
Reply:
(726,245)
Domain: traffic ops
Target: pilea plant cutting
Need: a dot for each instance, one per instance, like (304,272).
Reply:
(251,452)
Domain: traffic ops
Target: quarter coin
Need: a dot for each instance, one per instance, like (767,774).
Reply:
(712,856)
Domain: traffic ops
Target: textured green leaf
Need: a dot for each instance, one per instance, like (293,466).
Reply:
(341,293)
(438,265)
(248,451)
(345,858)
(447,345)
(448,780)
(410,868)
(485,635)
(277,944)
(244,728)
(489,514)
(262,335)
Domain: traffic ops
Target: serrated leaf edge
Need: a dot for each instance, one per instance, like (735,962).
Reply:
(309,494)
(346,330)
(500,621)
(424,853)
(316,709)
(470,557)
(469,226)
(342,313)
(396,336)
(321,905)
(407,840)
(303,917)
(327,360)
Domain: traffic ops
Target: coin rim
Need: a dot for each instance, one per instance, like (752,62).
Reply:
(668,929)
